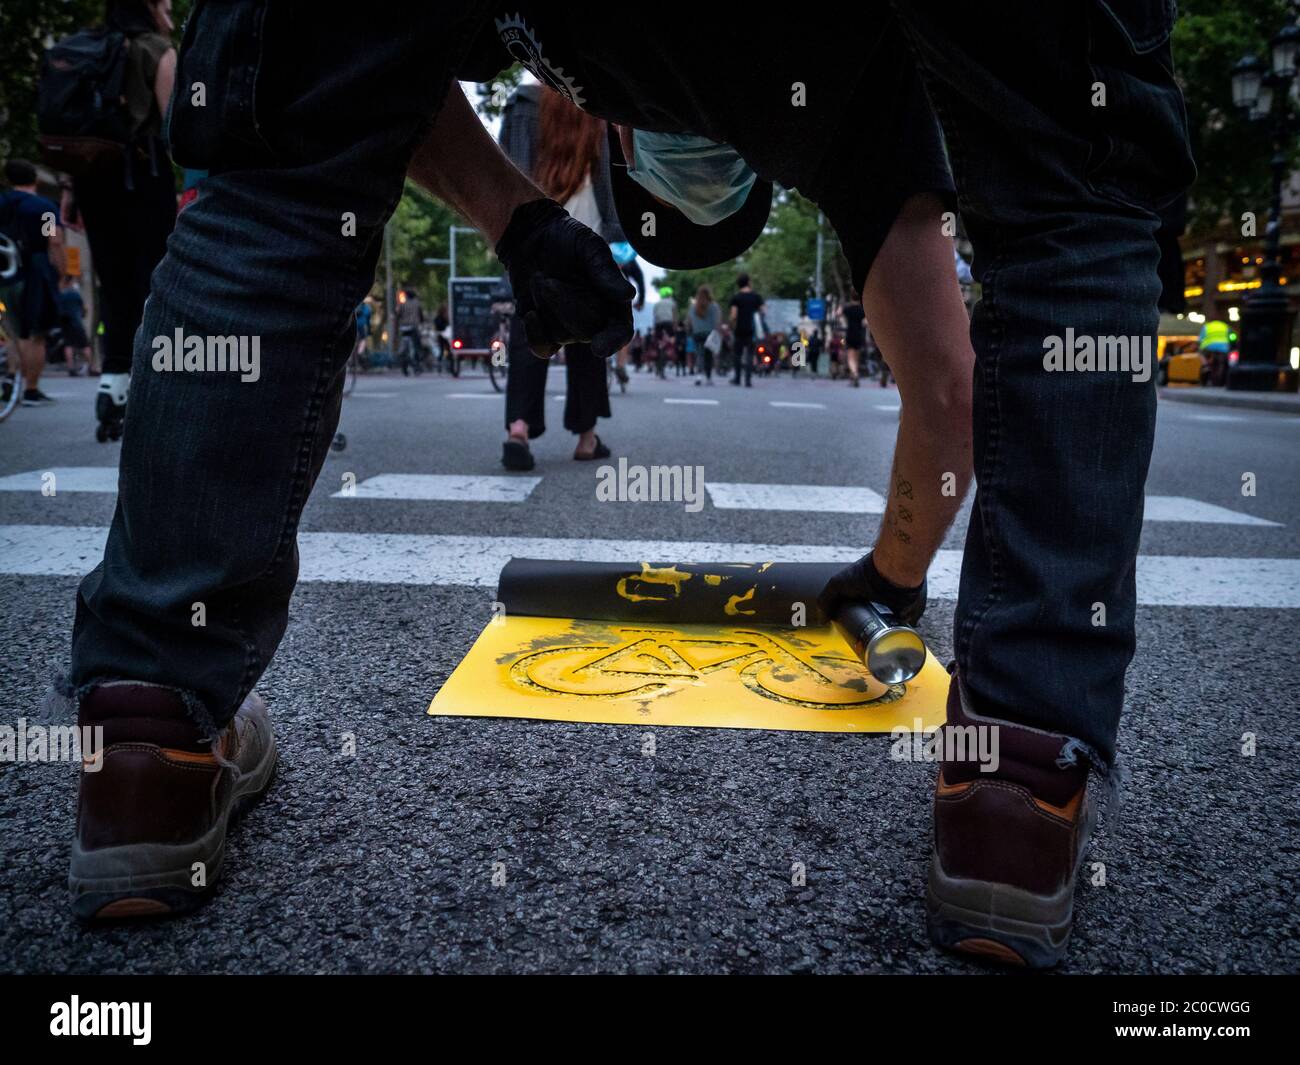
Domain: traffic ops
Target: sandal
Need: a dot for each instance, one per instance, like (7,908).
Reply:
(515,455)
(600,451)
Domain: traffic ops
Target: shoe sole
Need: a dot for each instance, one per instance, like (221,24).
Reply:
(1000,922)
(156,879)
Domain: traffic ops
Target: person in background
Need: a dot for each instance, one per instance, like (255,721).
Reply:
(32,222)
(746,306)
(665,324)
(815,344)
(681,349)
(563,149)
(1215,345)
(625,255)
(704,316)
(441,325)
(128,212)
(853,317)
(364,317)
(72,329)
(410,316)
(636,348)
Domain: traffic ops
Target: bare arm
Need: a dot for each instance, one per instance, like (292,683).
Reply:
(164,80)
(55,252)
(460,163)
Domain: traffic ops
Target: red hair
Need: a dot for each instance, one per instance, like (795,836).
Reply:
(568,147)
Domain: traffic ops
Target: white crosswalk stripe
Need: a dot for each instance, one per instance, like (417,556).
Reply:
(1180,508)
(443,487)
(692,402)
(58,479)
(396,558)
(476,488)
(825,499)
(800,406)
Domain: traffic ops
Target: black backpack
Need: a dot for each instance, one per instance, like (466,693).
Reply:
(81,104)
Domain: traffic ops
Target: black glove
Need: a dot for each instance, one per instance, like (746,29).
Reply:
(568,289)
(861,582)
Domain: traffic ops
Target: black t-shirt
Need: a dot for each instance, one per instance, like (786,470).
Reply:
(24,216)
(853,317)
(747,305)
(849,127)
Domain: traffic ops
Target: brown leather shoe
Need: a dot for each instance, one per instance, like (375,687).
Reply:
(151,822)
(1008,844)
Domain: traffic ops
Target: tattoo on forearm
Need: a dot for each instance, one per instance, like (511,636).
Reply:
(896,512)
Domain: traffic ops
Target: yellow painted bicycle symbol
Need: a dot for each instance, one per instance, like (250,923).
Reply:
(653,663)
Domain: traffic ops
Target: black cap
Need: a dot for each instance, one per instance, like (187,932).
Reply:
(679,243)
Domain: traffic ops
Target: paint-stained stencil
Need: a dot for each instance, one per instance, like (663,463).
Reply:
(710,676)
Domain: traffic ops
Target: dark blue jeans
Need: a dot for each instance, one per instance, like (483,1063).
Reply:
(313,121)
(1058,196)
(308,126)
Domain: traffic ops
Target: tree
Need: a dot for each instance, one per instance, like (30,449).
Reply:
(1231,152)
(421,230)
(781,262)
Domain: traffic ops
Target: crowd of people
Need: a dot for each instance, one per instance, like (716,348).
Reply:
(698,343)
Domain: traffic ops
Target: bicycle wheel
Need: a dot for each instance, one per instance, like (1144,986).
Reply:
(350,381)
(8,404)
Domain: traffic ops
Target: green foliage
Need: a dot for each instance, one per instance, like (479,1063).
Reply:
(781,263)
(494,94)
(1231,152)
(420,229)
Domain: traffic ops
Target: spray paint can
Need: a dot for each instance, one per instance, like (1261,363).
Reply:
(892,652)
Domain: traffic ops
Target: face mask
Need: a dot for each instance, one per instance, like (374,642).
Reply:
(703,179)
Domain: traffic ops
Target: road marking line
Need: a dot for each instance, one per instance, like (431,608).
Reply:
(473,395)
(66,479)
(889,407)
(445,487)
(693,402)
(400,558)
(802,406)
(1180,508)
(371,395)
(824,499)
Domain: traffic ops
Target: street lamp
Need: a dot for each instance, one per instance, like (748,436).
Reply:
(1264,92)
(1246,76)
(1286,51)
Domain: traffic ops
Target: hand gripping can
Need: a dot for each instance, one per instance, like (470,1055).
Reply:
(892,652)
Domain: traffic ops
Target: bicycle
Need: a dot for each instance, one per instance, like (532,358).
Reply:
(412,355)
(12,390)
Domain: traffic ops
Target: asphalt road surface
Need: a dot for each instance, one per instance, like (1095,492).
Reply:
(682,861)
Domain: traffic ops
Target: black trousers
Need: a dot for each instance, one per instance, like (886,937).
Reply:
(586,392)
(127,230)
(744,358)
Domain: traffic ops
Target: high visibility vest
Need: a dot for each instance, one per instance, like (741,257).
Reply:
(1215,332)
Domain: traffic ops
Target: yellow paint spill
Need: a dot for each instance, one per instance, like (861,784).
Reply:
(732,609)
(666,576)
